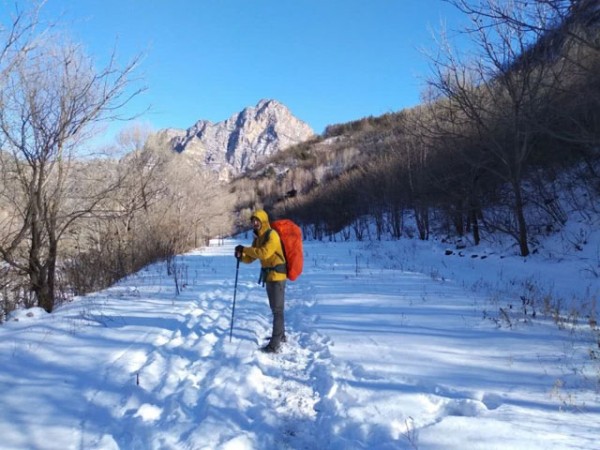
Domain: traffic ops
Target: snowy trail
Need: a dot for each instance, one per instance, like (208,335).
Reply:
(192,376)
(379,356)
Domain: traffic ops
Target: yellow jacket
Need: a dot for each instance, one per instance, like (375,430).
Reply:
(266,247)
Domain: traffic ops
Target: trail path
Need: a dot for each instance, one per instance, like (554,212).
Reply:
(378,356)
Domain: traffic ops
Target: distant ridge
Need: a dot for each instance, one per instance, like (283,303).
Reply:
(235,145)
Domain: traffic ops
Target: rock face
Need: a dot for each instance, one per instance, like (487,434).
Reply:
(238,143)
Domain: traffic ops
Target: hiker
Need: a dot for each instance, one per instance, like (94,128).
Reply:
(267,247)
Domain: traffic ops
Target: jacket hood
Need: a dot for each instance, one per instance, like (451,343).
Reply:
(264,220)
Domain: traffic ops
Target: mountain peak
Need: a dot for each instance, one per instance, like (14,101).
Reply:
(265,103)
(235,145)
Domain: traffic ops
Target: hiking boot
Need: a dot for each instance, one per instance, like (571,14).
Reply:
(269,349)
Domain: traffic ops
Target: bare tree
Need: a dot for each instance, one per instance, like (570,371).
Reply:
(501,94)
(50,97)
(542,20)
(165,203)
(17,38)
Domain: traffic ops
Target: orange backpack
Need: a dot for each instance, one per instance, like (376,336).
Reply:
(290,235)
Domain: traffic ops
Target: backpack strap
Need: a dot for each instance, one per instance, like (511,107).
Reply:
(268,236)
(280,268)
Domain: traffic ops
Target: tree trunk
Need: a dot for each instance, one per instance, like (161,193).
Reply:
(38,276)
(397,221)
(458,219)
(475,225)
(521,222)
(422,218)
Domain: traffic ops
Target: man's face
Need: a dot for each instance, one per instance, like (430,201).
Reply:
(256,224)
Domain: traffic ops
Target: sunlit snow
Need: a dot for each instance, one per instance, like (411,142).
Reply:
(391,344)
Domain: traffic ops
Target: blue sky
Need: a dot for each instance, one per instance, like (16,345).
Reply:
(329,61)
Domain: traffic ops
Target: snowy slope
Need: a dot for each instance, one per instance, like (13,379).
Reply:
(390,345)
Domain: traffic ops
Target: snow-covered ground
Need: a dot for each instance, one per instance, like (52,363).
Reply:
(391,345)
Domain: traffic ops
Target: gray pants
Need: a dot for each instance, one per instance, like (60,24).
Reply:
(276,295)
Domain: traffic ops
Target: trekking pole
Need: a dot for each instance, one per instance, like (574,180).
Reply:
(237,271)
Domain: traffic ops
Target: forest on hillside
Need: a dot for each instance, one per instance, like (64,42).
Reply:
(501,131)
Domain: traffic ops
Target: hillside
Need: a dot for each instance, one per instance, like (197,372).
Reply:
(233,146)
(501,130)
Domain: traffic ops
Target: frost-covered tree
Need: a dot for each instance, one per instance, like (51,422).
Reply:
(51,94)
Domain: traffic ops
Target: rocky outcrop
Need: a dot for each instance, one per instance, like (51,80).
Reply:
(238,143)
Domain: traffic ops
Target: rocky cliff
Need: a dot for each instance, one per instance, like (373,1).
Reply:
(238,143)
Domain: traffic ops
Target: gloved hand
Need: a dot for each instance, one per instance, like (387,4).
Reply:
(238,251)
